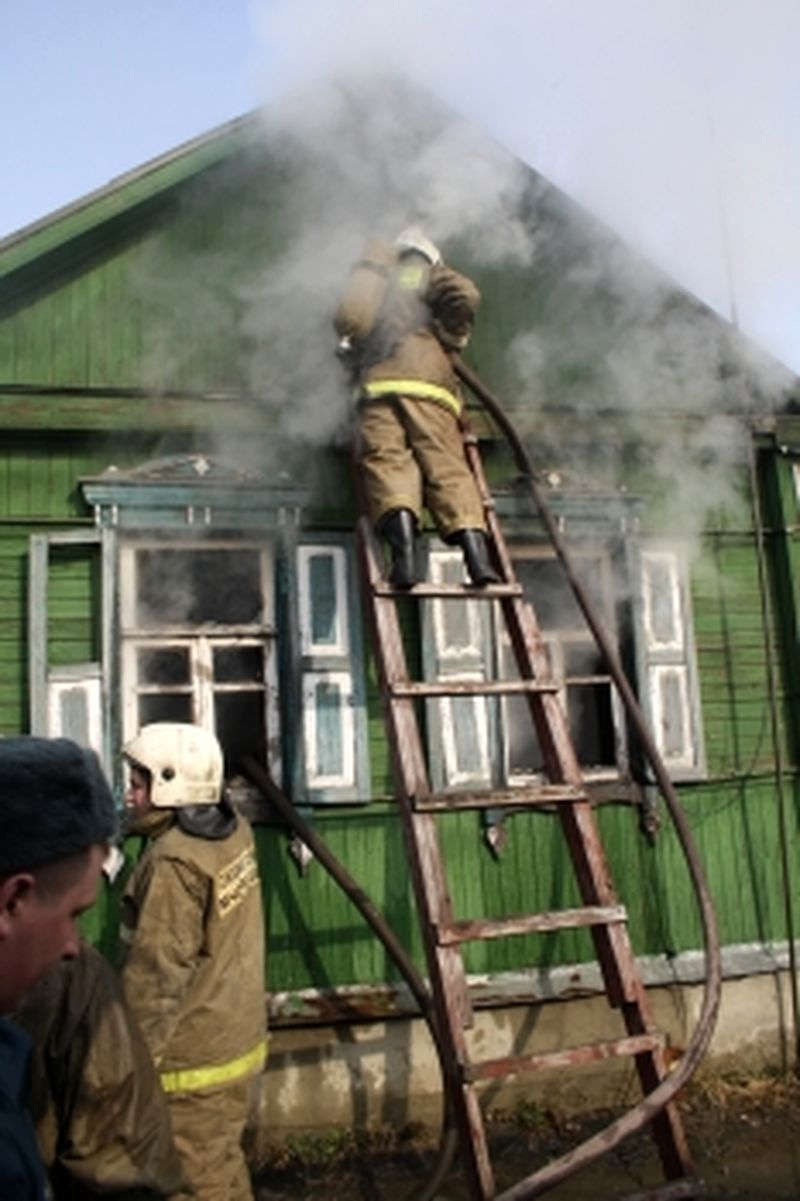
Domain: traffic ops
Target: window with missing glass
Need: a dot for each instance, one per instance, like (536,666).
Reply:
(575,663)
(199,643)
(488,741)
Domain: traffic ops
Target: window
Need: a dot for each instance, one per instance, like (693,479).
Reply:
(468,640)
(198,643)
(248,633)
(585,689)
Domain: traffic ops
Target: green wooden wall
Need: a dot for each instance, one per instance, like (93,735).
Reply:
(135,339)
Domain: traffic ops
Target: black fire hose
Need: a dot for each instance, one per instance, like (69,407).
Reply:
(661,1096)
(448,1142)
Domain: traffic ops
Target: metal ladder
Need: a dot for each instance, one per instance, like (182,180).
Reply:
(443,933)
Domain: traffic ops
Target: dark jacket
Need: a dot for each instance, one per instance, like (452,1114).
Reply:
(21,1171)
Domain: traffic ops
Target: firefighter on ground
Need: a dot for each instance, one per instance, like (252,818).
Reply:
(193,928)
(403,314)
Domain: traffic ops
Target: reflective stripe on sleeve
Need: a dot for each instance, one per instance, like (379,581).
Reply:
(413,387)
(191,1080)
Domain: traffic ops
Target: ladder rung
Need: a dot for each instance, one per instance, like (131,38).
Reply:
(472,929)
(463,591)
(637,1044)
(404,688)
(500,798)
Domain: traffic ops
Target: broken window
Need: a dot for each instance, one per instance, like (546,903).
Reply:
(575,664)
(198,644)
(486,742)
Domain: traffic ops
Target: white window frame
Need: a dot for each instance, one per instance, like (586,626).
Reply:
(555,643)
(201,641)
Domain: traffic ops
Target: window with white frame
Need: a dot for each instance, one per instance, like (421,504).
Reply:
(254,635)
(198,642)
(584,686)
(483,741)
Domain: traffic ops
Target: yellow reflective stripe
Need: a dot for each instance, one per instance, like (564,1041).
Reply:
(414,387)
(190,1080)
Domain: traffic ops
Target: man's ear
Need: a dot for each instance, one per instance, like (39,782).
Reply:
(14,892)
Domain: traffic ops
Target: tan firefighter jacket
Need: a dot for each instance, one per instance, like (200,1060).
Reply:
(403,316)
(193,973)
(101,1117)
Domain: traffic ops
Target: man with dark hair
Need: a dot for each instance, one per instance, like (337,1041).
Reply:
(56,819)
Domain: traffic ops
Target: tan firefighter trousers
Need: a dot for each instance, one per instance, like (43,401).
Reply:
(411,453)
(207,1128)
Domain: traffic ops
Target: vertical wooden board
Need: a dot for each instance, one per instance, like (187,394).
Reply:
(73,606)
(97,311)
(22,362)
(5,478)
(19,485)
(736,833)
(363,853)
(13,676)
(399,905)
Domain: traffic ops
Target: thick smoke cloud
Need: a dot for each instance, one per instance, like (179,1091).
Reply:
(366,154)
(366,158)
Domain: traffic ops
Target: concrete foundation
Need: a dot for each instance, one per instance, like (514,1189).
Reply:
(368,1076)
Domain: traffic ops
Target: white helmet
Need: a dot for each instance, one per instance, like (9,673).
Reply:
(413,241)
(184,762)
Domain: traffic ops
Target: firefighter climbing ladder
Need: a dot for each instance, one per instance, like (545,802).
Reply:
(565,796)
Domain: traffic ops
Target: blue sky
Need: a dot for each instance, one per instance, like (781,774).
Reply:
(677,122)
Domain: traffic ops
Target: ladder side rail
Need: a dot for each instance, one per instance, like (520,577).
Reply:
(612,943)
(615,955)
(450,997)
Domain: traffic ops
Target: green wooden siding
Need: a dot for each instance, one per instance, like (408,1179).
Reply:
(160,295)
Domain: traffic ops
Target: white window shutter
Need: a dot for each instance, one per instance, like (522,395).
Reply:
(670,684)
(68,700)
(334,709)
(75,705)
(457,646)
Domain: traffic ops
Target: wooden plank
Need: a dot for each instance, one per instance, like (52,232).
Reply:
(465,591)
(468,929)
(424,688)
(531,796)
(567,1057)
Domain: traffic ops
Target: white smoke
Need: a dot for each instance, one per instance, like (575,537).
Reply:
(366,154)
(366,159)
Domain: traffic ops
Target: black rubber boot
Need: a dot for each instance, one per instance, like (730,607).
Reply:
(400,529)
(476,556)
